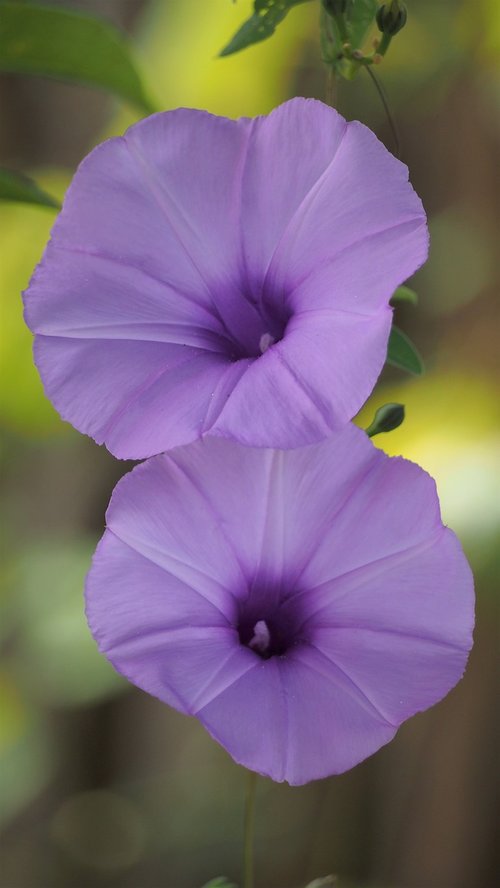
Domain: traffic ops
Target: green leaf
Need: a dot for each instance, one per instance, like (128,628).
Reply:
(18,187)
(360,18)
(404,294)
(403,354)
(54,647)
(266,17)
(69,46)
(386,418)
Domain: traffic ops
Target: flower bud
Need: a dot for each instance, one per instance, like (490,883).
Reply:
(391,17)
(387,418)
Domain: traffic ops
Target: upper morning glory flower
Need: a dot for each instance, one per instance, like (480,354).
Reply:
(302,603)
(224,277)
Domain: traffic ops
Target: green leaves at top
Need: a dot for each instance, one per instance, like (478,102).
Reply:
(402,353)
(69,46)
(360,17)
(267,15)
(351,27)
(18,187)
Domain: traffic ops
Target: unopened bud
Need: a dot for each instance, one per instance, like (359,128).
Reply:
(391,17)
(387,418)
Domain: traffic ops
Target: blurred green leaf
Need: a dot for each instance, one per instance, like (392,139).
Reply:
(404,294)
(70,46)
(24,231)
(360,17)
(387,418)
(25,752)
(266,17)
(20,188)
(402,353)
(56,659)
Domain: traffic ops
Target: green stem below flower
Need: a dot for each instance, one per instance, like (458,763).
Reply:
(248,881)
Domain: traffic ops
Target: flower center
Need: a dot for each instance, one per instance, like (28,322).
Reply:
(266,638)
(251,331)
(261,641)
(265,341)
(269,631)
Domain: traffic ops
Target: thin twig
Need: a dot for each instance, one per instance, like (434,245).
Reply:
(383,98)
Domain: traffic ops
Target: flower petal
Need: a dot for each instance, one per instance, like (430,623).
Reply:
(296,719)
(362,277)
(127,266)
(274,507)
(332,724)
(116,390)
(249,718)
(353,204)
(151,608)
(336,551)
(321,350)
(270,406)
(169,591)
(152,511)
(193,244)
(192,163)
(85,294)
(395,505)
(164,198)
(377,661)
(288,152)
(423,592)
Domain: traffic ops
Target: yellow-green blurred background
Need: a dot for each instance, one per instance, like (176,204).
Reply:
(104,787)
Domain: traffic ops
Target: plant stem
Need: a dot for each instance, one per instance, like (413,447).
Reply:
(384,44)
(249,830)
(331,87)
(383,98)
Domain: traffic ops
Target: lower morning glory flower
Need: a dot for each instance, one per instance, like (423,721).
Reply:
(301,604)
(224,277)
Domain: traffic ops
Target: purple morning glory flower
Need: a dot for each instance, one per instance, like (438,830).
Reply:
(301,604)
(224,277)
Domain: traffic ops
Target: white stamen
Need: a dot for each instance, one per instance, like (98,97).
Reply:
(265,341)
(261,637)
